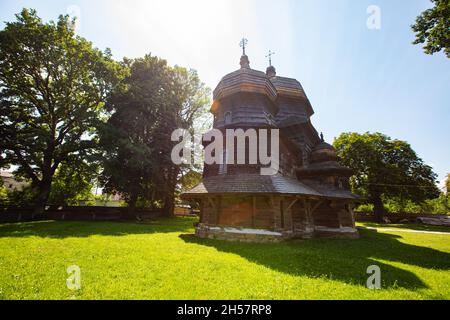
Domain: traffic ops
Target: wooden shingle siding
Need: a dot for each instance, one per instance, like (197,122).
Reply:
(310,192)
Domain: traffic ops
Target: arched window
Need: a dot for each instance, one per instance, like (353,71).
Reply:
(228,117)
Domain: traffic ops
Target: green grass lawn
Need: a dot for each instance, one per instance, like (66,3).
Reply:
(163,260)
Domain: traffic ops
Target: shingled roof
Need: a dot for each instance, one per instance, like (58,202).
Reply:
(251,183)
(288,86)
(245,80)
(332,192)
(291,88)
(257,184)
(324,167)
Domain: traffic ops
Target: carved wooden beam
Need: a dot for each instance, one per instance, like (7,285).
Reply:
(272,202)
(211,202)
(292,203)
(276,212)
(316,206)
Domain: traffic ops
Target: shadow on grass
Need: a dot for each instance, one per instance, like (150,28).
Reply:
(342,260)
(78,229)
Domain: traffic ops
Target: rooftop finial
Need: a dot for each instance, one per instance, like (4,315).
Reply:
(321,137)
(270,57)
(242,44)
(245,63)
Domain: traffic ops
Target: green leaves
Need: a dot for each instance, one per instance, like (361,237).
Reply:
(386,167)
(57,91)
(154,100)
(73,183)
(432,27)
(447,184)
(53,85)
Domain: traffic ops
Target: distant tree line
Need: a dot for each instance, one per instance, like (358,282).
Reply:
(70,115)
(390,176)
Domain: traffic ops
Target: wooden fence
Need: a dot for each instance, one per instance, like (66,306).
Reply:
(10,214)
(20,214)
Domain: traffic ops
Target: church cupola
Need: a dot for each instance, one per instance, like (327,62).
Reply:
(306,195)
(324,166)
(245,62)
(245,98)
(271,72)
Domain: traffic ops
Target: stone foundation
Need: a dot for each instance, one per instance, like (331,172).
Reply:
(336,233)
(262,236)
(237,234)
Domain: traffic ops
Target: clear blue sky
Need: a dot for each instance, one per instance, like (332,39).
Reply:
(357,79)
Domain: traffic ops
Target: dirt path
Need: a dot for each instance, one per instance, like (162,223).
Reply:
(404,230)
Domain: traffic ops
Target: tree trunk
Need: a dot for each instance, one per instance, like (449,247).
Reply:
(169,201)
(131,212)
(169,205)
(45,185)
(169,198)
(378,208)
(41,199)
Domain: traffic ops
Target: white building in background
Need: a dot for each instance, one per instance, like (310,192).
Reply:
(11,183)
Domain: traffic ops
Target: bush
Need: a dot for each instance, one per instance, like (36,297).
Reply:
(365,208)
(3,193)
(21,198)
(439,205)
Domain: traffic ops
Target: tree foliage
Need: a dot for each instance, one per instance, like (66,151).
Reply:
(432,27)
(447,184)
(3,192)
(385,168)
(53,85)
(155,100)
(73,184)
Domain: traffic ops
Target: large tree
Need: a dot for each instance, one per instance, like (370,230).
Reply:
(53,85)
(385,168)
(189,110)
(156,99)
(432,27)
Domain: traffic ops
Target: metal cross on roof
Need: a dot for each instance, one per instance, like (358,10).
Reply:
(242,44)
(270,57)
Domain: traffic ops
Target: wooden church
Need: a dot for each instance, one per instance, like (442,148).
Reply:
(308,197)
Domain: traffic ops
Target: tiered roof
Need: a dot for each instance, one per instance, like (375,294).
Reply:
(288,94)
(246,79)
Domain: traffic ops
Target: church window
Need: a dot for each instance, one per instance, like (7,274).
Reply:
(228,117)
